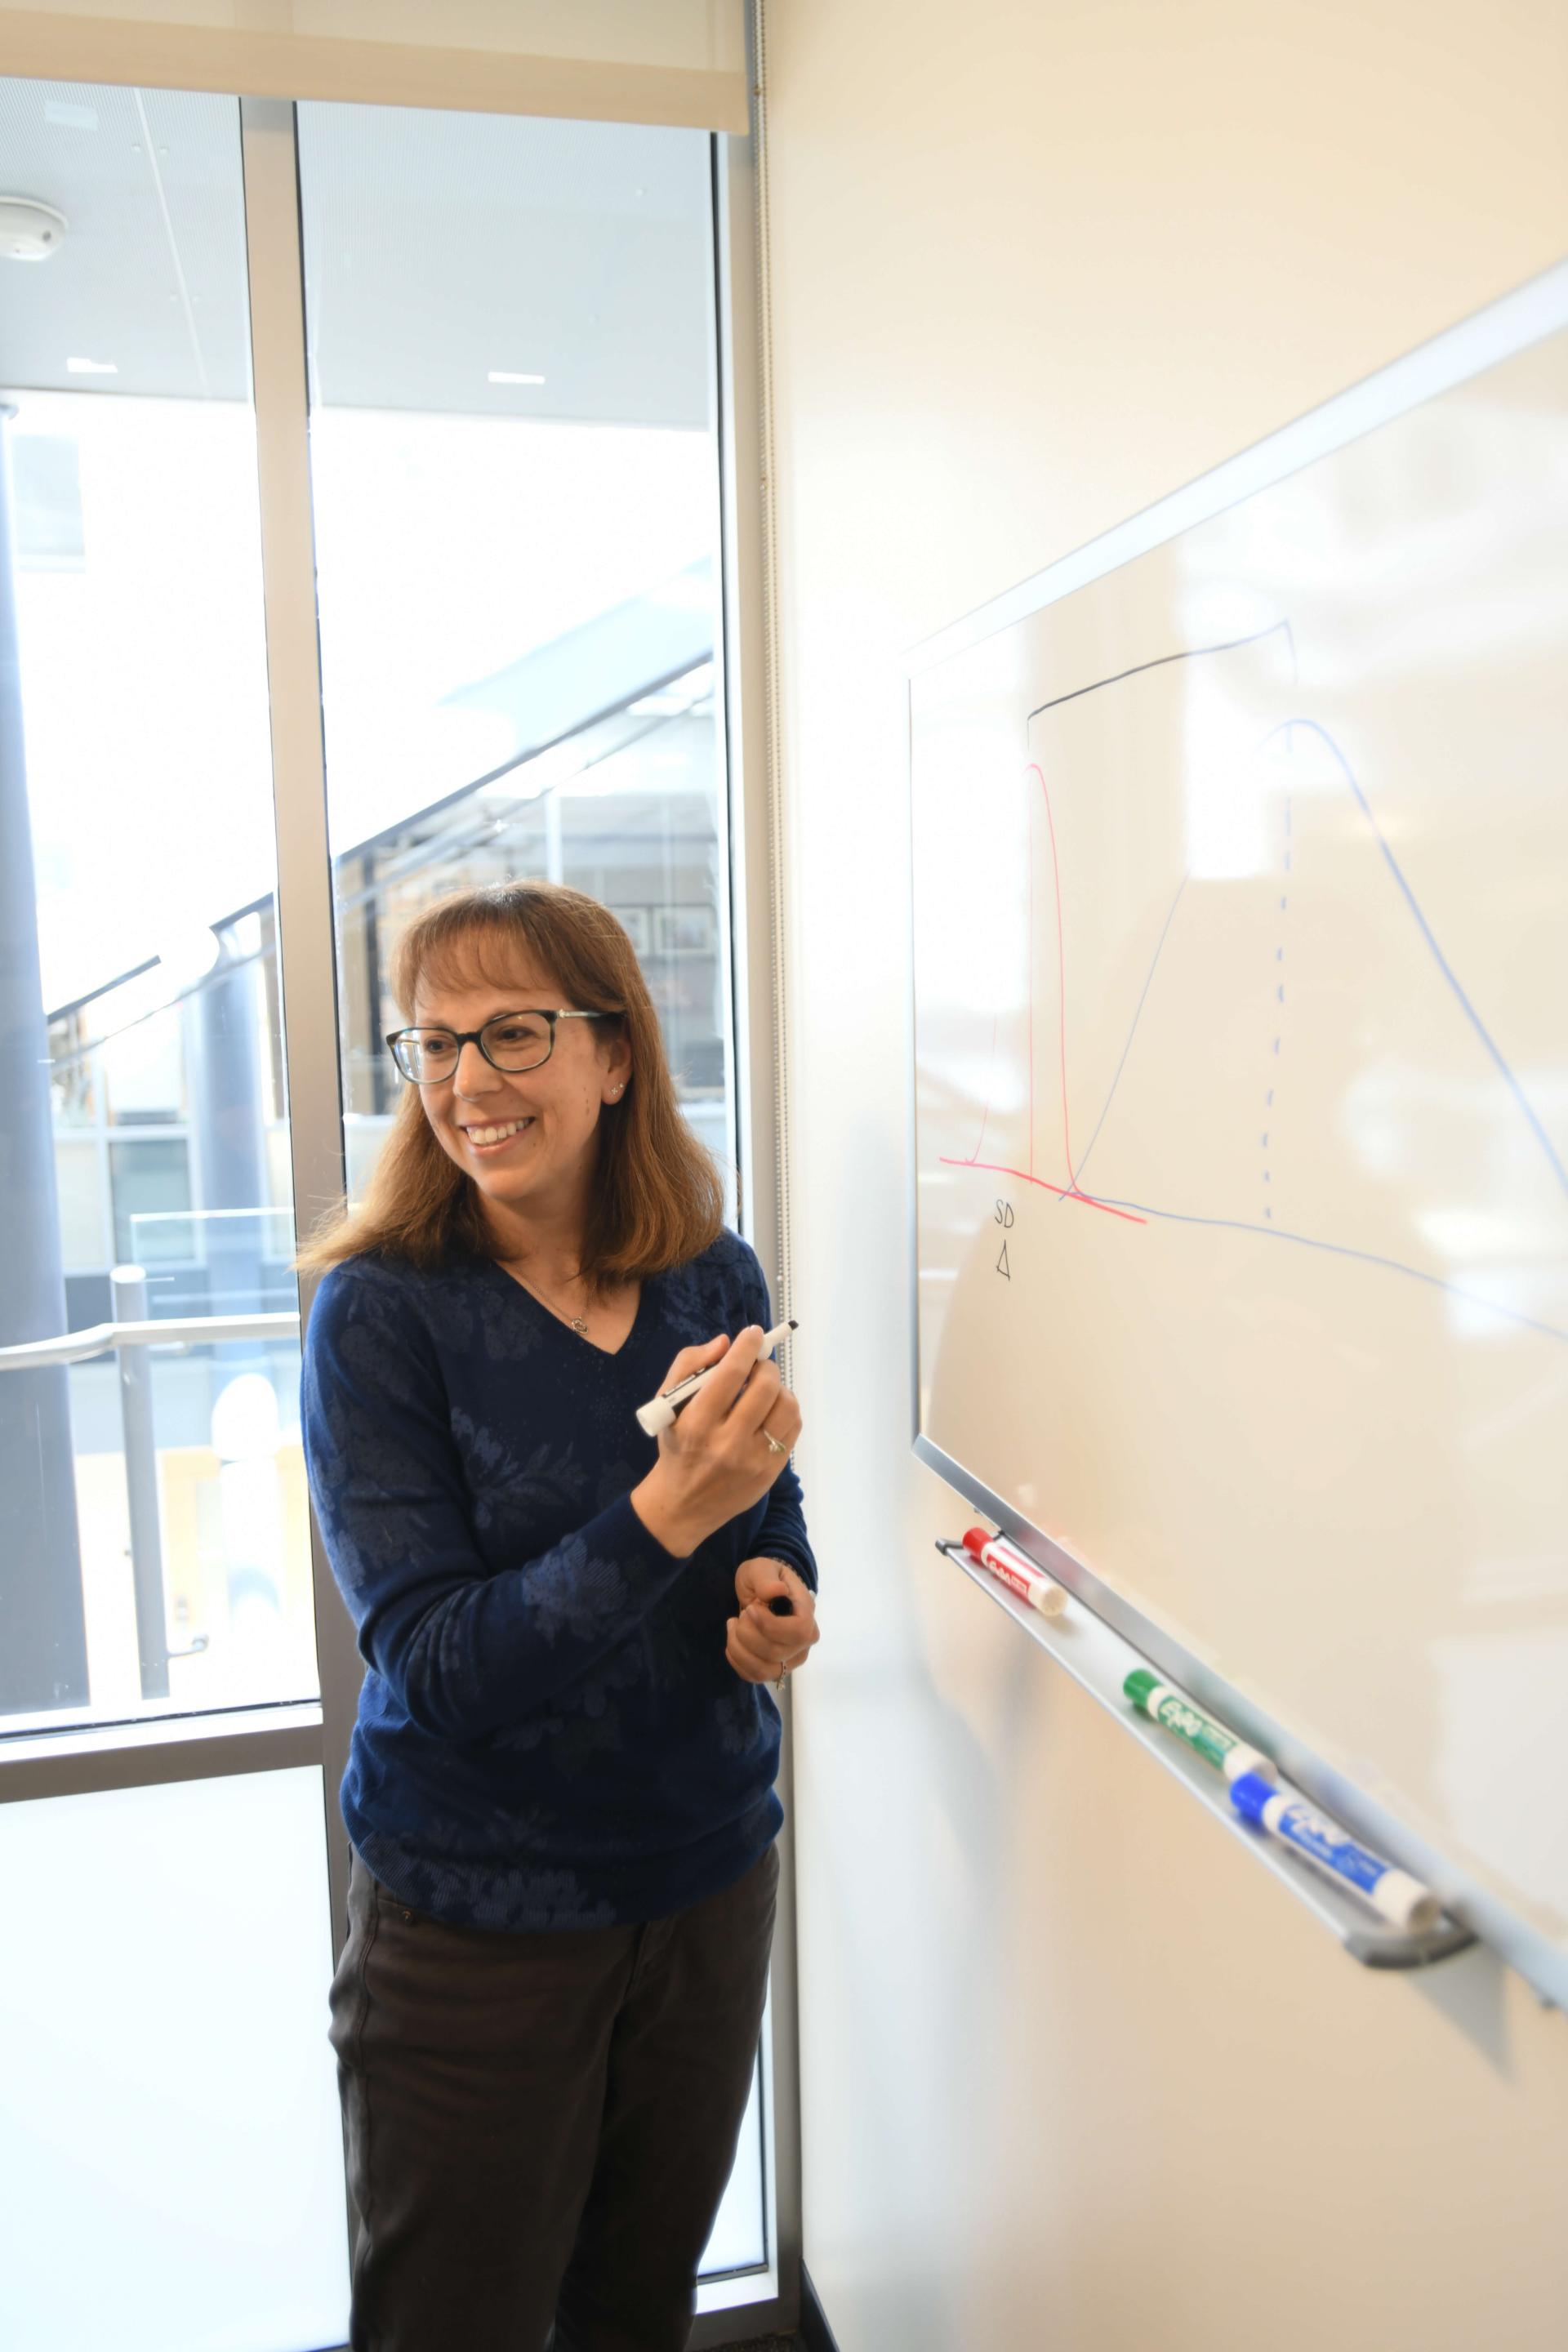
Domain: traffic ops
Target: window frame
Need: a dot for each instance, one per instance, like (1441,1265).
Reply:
(282,1735)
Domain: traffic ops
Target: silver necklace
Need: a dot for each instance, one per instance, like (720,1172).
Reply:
(578,1322)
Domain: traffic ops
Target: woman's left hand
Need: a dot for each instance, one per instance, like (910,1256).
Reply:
(761,1646)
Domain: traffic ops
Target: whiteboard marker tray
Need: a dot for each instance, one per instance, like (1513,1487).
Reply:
(1100,1660)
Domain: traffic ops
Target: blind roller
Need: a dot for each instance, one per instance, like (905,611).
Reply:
(666,62)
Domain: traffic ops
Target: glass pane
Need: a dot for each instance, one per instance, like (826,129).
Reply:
(515,476)
(509,330)
(141,1123)
(152,1182)
(171,2165)
(738,2241)
(82,1189)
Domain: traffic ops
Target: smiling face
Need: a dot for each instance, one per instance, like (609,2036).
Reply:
(529,1139)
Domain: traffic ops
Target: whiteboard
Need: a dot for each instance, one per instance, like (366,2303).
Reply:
(1240,923)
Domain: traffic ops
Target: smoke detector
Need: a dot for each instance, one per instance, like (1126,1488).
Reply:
(30,231)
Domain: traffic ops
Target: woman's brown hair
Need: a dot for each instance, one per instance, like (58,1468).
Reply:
(658,1197)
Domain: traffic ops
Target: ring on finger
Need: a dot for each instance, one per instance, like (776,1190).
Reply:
(769,1439)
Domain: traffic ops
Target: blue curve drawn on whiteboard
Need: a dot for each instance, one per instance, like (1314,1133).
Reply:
(1341,1249)
(1281,627)
(1444,966)
(1133,1032)
(1494,1053)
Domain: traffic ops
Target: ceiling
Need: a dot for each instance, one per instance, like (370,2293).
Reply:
(437,248)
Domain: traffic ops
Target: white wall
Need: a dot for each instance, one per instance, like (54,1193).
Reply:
(1075,2072)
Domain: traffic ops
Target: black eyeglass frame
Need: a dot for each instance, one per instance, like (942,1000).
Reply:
(461,1038)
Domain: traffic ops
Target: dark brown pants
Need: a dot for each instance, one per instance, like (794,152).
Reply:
(541,2127)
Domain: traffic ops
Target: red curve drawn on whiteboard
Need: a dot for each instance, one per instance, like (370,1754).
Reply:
(994,1167)
(1033,770)
(1070,1190)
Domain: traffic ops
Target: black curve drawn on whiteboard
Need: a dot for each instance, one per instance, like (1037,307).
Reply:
(1160,661)
(1276,1232)
(1190,652)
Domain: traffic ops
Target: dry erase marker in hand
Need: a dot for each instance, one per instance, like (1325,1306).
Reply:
(1399,1897)
(661,1410)
(1175,1712)
(1017,1571)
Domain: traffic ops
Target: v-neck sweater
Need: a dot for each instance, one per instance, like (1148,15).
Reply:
(548,1734)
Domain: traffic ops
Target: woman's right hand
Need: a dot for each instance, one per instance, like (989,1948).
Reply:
(713,1460)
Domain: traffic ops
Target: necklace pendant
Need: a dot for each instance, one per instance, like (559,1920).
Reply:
(578,1324)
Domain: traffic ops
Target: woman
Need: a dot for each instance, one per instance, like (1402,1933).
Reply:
(560,1789)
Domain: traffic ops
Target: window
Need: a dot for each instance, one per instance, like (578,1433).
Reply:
(514,471)
(154,1552)
(515,476)
(138,961)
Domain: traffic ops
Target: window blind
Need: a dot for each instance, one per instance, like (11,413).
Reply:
(660,61)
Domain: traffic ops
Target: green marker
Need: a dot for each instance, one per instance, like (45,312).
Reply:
(1175,1712)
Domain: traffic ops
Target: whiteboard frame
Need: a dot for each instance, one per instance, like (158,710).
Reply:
(1508,326)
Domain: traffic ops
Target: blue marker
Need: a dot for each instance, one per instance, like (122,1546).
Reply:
(1392,1892)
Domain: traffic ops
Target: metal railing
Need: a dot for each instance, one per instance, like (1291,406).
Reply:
(187,1331)
(132,1337)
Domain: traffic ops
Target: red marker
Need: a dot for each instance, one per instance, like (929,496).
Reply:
(1017,1573)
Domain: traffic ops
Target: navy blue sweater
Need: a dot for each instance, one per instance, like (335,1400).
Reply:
(548,1734)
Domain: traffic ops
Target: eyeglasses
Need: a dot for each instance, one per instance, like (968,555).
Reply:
(508,1041)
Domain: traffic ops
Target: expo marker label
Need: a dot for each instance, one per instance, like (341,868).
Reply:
(1399,1898)
(1176,1713)
(1017,1570)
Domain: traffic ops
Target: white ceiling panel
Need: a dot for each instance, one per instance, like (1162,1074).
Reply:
(440,250)
(149,277)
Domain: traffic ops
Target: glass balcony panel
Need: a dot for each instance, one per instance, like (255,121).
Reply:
(232,1528)
(82,1190)
(152,1179)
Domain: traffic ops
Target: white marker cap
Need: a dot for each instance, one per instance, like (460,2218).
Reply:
(1405,1902)
(658,1413)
